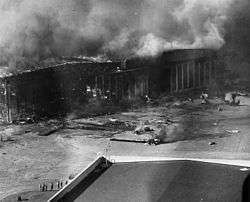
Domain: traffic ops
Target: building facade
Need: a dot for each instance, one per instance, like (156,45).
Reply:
(56,89)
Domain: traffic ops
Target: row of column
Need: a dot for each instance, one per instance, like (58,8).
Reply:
(123,85)
(190,75)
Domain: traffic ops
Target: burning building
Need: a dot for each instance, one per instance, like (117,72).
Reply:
(54,90)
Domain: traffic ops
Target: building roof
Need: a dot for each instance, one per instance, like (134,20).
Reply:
(132,63)
(165,180)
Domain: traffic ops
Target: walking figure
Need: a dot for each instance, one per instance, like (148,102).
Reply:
(45,187)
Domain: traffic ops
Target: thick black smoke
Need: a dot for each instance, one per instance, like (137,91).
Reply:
(32,31)
(237,37)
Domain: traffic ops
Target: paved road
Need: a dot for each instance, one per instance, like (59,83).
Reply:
(167,181)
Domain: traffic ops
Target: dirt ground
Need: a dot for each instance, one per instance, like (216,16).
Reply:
(192,130)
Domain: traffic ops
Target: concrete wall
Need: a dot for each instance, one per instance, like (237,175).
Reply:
(192,74)
(56,90)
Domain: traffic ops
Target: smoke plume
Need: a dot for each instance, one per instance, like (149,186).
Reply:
(33,31)
(236,50)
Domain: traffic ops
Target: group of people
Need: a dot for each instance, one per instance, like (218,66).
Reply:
(231,98)
(45,187)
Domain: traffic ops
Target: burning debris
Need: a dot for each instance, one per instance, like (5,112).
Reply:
(143,127)
(147,133)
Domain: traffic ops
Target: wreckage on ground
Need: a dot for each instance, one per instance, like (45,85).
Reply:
(232,98)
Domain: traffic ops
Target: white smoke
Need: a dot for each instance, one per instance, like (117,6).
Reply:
(35,30)
(194,24)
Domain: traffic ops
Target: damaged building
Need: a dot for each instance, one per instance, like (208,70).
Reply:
(56,89)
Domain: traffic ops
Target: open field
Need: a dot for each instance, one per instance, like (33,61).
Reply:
(28,159)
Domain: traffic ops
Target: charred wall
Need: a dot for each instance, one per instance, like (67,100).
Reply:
(191,69)
(56,90)
(180,70)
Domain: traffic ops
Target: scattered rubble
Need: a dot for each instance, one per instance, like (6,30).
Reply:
(233,131)
(154,131)
(142,128)
(128,140)
(147,134)
(154,141)
(148,129)
(89,121)
(150,141)
(27,120)
(160,122)
(232,98)
(47,131)
(118,124)
(113,120)
(241,94)
(90,124)
(212,143)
